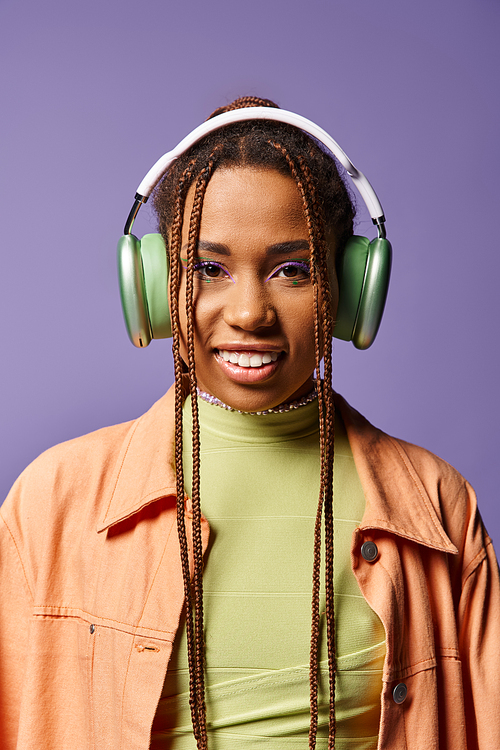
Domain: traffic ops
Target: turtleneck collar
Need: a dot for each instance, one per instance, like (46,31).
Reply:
(270,428)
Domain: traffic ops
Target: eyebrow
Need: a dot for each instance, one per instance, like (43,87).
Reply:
(285,248)
(280,248)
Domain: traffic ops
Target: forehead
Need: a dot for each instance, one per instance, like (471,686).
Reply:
(250,202)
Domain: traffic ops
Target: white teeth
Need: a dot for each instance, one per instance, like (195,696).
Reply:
(256,360)
(244,360)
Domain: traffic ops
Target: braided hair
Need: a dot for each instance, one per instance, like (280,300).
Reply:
(327,206)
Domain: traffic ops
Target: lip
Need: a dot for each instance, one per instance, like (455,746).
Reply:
(245,347)
(248,375)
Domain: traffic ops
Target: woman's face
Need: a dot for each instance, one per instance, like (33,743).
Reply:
(254,325)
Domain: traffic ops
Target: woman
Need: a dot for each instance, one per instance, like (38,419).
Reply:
(405,629)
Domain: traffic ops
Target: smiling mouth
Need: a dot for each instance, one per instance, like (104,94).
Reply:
(248,358)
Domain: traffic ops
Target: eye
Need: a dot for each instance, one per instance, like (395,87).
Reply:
(295,270)
(208,270)
(204,268)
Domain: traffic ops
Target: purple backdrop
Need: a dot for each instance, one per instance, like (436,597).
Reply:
(93,93)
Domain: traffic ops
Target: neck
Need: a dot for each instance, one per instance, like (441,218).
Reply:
(302,401)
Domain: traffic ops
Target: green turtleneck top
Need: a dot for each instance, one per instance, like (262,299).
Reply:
(259,490)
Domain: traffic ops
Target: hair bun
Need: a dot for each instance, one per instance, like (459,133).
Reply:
(241,103)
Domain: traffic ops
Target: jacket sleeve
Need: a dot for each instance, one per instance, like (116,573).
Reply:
(16,606)
(479,635)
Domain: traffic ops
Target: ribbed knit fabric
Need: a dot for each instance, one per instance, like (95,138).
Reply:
(259,489)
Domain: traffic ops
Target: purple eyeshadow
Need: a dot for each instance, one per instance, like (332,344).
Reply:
(302,265)
(203,263)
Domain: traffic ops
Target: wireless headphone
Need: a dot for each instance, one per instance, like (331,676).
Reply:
(363,274)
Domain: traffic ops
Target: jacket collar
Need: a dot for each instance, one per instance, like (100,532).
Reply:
(145,469)
(396,498)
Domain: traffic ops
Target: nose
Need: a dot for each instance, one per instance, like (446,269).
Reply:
(249,308)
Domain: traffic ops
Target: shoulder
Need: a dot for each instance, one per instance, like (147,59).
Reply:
(96,447)
(431,469)
(451,495)
(63,478)
(75,479)
(410,485)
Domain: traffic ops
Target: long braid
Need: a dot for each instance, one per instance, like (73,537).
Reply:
(194,590)
(326,489)
(176,240)
(194,225)
(194,232)
(327,328)
(322,321)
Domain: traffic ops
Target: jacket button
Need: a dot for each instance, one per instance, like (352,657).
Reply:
(92,629)
(399,693)
(369,551)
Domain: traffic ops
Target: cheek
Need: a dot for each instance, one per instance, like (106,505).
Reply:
(298,324)
(206,318)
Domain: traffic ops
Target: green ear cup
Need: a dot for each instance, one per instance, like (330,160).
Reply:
(132,290)
(143,276)
(375,288)
(363,283)
(155,263)
(351,274)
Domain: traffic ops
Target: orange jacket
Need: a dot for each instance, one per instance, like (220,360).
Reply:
(92,590)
